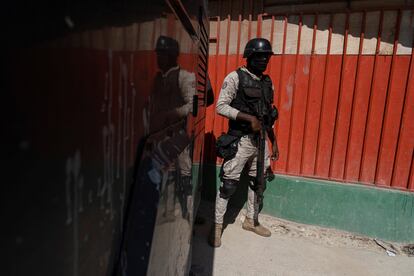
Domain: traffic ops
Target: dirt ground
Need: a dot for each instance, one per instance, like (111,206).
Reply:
(294,249)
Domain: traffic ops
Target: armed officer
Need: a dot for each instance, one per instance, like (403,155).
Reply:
(170,104)
(242,95)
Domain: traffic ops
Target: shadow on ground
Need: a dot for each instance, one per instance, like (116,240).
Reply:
(203,253)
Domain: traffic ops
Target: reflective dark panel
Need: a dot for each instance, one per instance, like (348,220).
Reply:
(104,131)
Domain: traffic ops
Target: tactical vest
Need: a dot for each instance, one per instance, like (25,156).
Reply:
(249,94)
(166,95)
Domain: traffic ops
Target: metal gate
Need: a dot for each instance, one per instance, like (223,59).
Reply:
(344,88)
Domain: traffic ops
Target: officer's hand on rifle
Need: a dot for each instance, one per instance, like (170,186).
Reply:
(255,124)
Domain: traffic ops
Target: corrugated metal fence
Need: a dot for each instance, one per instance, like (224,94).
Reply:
(344,88)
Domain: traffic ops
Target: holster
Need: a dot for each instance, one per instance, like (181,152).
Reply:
(227,145)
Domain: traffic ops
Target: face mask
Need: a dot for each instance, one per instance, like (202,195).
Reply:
(258,62)
(166,61)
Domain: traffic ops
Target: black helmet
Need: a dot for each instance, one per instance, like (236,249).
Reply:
(257,45)
(167,44)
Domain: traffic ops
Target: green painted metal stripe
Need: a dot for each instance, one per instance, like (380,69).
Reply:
(375,212)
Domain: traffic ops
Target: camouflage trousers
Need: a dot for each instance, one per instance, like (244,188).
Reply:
(246,156)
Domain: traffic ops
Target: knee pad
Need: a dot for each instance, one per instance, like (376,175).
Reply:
(228,188)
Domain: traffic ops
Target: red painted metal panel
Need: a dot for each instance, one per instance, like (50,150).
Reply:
(371,96)
(359,112)
(292,158)
(282,63)
(313,115)
(272,29)
(308,106)
(285,110)
(298,119)
(341,86)
(349,153)
(324,95)
(405,151)
(374,124)
(393,113)
(328,115)
(344,117)
(275,63)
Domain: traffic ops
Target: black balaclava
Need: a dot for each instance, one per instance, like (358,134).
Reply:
(257,62)
(166,60)
(167,50)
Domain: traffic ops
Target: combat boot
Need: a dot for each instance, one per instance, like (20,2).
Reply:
(256,227)
(214,238)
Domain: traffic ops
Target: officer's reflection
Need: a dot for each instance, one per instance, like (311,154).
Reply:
(170,103)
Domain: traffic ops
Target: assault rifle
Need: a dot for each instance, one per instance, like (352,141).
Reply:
(261,142)
(267,118)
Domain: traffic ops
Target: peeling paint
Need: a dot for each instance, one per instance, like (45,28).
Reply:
(289,93)
(307,65)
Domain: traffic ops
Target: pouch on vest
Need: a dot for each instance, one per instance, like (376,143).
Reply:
(226,146)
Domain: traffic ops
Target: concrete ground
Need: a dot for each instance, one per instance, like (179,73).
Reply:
(293,249)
